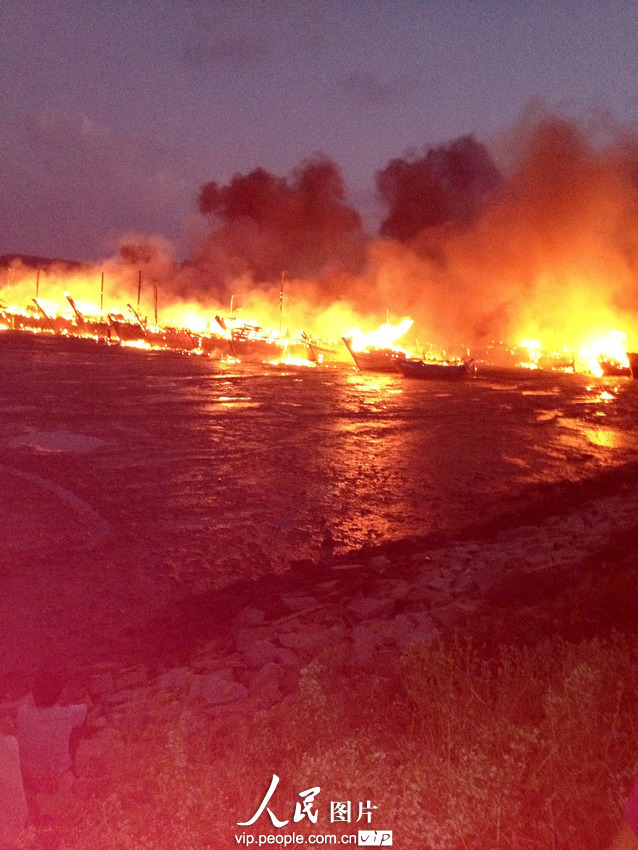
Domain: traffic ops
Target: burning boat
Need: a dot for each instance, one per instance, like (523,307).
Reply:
(90,327)
(127,330)
(27,319)
(213,344)
(37,319)
(431,370)
(323,352)
(612,368)
(373,359)
(251,343)
(377,351)
(172,338)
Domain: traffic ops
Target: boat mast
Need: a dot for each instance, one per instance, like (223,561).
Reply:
(155,299)
(281,303)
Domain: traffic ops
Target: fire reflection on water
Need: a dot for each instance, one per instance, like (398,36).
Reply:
(207,474)
(606,438)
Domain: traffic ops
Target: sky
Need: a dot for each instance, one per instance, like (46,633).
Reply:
(113,115)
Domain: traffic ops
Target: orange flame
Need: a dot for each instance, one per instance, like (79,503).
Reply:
(384,337)
(610,347)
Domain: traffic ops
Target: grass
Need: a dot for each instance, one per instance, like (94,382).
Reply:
(522,734)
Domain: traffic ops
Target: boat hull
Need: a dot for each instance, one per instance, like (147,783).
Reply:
(613,369)
(375,359)
(435,371)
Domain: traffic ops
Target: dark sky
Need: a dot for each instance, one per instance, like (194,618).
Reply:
(113,115)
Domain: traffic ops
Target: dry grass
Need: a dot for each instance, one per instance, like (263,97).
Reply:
(527,746)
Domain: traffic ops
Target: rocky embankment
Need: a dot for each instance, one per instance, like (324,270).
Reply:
(248,648)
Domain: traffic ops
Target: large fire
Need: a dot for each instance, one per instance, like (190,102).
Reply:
(66,305)
(539,246)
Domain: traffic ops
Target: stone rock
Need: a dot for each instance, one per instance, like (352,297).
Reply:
(259,652)
(328,585)
(397,589)
(364,638)
(101,686)
(420,559)
(245,637)
(240,706)
(267,678)
(366,607)
(300,603)
(402,630)
(467,606)
(465,585)
(311,642)
(422,620)
(175,679)
(445,615)
(379,563)
(522,534)
(364,648)
(424,635)
(287,657)
(425,629)
(362,658)
(346,567)
(129,679)
(250,617)
(216,690)
(127,696)
(382,627)
(443,583)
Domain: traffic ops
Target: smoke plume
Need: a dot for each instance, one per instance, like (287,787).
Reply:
(447,185)
(262,224)
(534,236)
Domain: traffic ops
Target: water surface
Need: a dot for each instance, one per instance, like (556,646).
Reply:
(214,470)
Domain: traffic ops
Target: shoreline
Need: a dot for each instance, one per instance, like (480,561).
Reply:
(553,536)
(258,657)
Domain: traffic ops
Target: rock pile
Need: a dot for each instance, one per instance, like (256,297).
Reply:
(360,613)
(366,612)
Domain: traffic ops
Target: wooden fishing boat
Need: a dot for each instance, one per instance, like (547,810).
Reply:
(374,359)
(250,343)
(613,368)
(432,370)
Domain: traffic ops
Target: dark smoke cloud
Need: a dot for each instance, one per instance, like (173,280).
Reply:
(545,247)
(449,184)
(153,259)
(237,50)
(262,225)
(550,253)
